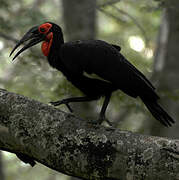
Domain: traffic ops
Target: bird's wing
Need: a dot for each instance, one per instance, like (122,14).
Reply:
(133,67)
(105,60)
(116,47)
(79,56)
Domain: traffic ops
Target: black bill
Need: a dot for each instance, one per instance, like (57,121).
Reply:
(33,35)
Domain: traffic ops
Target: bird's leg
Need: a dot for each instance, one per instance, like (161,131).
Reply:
(73,99)
(103,110)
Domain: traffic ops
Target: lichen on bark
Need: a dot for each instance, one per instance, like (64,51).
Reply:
(79,148)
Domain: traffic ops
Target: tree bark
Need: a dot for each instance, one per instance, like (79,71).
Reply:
(78,148)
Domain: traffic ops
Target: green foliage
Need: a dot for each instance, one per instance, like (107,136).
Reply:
(29,75)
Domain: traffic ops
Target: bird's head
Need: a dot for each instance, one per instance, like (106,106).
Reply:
(44,32)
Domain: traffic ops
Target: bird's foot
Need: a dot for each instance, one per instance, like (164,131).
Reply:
(93,121)
(109,123)
(63,101)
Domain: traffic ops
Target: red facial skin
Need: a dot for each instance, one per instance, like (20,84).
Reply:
(44,29)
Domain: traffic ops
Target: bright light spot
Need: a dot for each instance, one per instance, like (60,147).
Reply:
(8,155)
(1,45)
(136,43)
(149,53)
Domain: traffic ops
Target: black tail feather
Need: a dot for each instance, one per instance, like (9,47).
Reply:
(158,112)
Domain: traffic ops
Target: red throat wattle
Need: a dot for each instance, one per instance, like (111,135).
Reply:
(47,44)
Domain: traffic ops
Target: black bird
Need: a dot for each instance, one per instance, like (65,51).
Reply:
(78,58)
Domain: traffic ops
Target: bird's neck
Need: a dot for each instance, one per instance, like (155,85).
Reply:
(46,45)
(54,52)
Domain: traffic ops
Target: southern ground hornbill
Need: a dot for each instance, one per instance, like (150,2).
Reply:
(74,59)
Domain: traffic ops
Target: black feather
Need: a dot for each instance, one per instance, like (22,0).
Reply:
(158,112)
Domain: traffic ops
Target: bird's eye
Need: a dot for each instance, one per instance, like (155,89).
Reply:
(42,29)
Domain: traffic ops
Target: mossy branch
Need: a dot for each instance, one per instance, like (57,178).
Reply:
(75,147)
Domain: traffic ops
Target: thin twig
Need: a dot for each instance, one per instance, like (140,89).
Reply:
(134,20)
(110,14)
(7,37)
(108,3)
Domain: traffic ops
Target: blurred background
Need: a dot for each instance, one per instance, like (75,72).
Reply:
(148,34)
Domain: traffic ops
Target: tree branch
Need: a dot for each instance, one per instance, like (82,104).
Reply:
(108,3)
(118,19)
(75,147)
(140,27)
(7,37)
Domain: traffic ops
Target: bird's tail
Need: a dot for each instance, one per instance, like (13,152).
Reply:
(158,112)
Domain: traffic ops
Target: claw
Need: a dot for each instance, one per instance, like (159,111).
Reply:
(69,108)
(102,118)
(57,103)
(53,103)
(108,122)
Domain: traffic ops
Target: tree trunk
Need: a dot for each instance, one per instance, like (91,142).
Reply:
(80,19)
(166,68)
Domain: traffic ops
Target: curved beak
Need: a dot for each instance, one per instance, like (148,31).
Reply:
(33,35)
